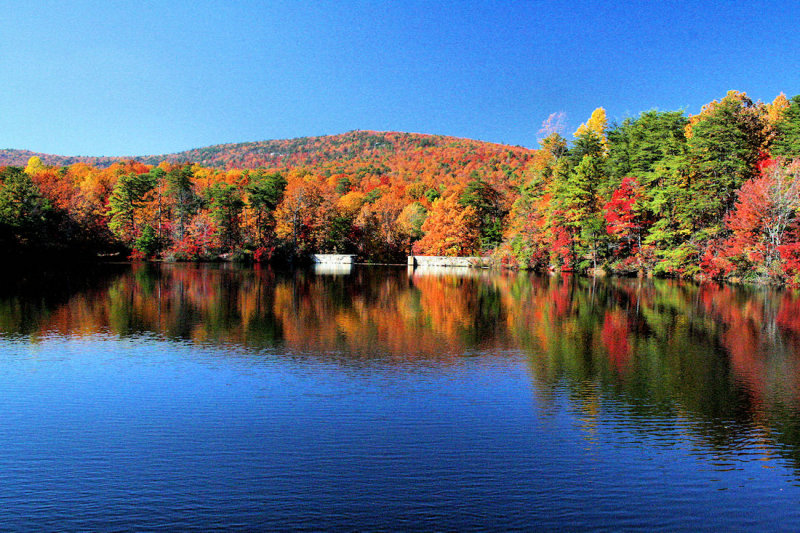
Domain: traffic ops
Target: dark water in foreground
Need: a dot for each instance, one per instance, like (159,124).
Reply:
(207,397)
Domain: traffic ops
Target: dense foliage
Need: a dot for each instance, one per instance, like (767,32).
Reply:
(373,194)
(713,195)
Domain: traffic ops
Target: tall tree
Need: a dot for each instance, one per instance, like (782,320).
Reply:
(595,126)
(126,198)
(264,194)
(182,196)
(787,131)
(624,216)
(225,204)
(576,200)
(725,142)
(487,203)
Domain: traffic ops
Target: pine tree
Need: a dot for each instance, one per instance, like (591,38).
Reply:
(787,131)
(126,198)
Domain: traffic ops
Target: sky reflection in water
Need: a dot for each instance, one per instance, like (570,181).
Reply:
(218,396)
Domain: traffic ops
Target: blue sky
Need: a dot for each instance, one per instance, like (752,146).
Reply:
(135,78)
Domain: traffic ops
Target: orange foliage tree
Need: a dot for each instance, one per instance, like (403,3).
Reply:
(451,229)
(304,215)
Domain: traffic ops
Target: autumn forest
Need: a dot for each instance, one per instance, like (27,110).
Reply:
(713,195)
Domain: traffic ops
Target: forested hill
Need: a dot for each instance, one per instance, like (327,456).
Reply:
(19,158)
(371,146)
(377,147)
(712,195)
(360,192)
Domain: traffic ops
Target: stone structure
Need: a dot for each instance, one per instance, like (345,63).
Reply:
(336,259)
(444,261)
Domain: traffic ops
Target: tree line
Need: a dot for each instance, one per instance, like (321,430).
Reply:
(709,195)
(712,195)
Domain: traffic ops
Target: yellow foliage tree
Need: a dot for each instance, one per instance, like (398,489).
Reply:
(597,124)
(34,166)
(776,108)
(350,204)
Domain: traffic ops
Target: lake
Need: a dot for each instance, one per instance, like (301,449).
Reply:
(174,397)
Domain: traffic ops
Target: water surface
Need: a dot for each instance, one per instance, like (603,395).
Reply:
(219,397)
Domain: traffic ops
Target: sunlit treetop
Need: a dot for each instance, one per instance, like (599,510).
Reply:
(34,165)
(732,97)
(596,124)
(776,109)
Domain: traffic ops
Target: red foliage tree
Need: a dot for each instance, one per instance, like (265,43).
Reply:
(763,226)
(623,216)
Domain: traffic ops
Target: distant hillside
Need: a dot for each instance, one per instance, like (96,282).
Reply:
(19,158)
(304,151)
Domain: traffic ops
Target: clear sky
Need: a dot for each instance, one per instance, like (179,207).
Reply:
(134,78)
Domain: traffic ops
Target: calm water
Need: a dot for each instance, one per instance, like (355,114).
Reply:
(183,396)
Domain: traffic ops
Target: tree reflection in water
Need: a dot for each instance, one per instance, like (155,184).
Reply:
(723,360)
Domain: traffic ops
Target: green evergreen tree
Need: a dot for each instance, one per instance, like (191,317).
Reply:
(723,152)
(787,132)
(486,201)
(147,243)
(225,202)
(125,199)
(185,202)
(638,146)
(264,193)
(577,199)
(21,203)
(25,215)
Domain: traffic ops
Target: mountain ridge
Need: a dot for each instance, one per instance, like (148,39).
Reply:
(298,151)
